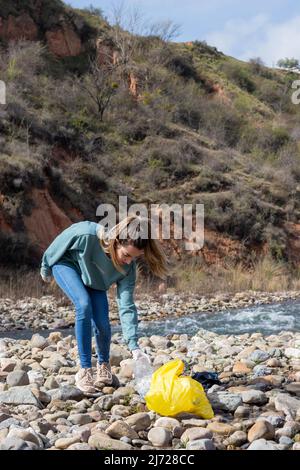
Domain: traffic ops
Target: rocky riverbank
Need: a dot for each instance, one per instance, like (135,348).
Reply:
(49,313)
(257,405)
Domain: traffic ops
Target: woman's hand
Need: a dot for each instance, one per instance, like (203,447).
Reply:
(47,279)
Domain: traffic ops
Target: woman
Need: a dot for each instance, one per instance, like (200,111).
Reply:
(85,261)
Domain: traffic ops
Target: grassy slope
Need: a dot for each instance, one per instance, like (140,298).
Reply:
(242,185)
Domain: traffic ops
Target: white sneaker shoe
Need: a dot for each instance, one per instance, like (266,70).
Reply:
(103,375)
(84,381)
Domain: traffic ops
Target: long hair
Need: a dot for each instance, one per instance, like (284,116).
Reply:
(136,231)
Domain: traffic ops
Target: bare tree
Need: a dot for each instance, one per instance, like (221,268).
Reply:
(130,24)
(127,26)
(165,30)
(101,85)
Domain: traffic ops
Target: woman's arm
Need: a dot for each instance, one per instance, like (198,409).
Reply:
(127,309)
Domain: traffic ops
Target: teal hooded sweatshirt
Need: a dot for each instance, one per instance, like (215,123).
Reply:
(78,246)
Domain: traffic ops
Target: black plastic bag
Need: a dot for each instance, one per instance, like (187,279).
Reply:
(207,379)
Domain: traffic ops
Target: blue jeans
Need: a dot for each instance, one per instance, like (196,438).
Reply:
(91,308)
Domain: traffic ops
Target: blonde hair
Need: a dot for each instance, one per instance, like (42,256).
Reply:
(136,231)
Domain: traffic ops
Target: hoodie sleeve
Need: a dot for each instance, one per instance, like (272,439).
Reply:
(65,240)
(127,309)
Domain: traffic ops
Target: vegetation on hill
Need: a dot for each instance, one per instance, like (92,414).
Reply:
(198,127)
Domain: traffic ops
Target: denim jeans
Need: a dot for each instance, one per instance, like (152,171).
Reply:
(92,310)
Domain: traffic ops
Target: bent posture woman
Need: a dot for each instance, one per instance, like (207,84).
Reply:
(85,261)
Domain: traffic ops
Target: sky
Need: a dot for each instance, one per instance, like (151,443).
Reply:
(269,29)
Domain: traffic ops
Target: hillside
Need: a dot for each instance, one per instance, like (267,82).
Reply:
(94,112)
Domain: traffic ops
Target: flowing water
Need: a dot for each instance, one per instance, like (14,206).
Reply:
(265,319)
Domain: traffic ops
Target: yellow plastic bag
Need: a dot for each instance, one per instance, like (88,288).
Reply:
(170,394)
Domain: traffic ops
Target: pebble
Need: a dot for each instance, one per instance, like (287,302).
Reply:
(261,430)
(160,437)
(193,434)
(262,444)
(17,378)
(202,444)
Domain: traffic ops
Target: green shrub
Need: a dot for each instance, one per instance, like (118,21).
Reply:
(221,121)
(243,216)
(263,140)
(240,75)
(273,139)
(183,66)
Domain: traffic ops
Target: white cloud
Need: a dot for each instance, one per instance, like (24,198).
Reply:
(258,37)
(280,40)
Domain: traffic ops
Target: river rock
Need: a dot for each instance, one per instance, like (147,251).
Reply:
(15,443)
(225,401)
(159,342)
(242,412)
(120,410)
(293,388)
(17,378)
(261,370)
(64,443)
(21,395)
(262,444)
(160,437)
(35,377)
(254,397)
(290,429)
(66,392)
(167,423)
(118,354)
(25,435)
(194,434)
(51,383)
(139,421)
(80,419)
(241,368)
(289,405)
(259,356)
(292,353)
(221,428)
(79,446)
(7,365)
(102,441)
(202,444)
(120,429)
(273,418)
(38,341)
(261,430)
(237,439)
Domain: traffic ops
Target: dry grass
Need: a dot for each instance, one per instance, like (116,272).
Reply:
(266,275)
(18,284)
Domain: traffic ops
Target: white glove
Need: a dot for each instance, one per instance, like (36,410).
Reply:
(46,278)
(139,355)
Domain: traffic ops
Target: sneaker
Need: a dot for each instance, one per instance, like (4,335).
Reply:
(84,381)
(104,375)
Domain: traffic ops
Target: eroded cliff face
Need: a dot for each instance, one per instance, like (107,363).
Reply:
(61,33)
(48,218)
(20,27)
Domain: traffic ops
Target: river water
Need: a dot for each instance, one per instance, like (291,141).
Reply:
(265,319)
